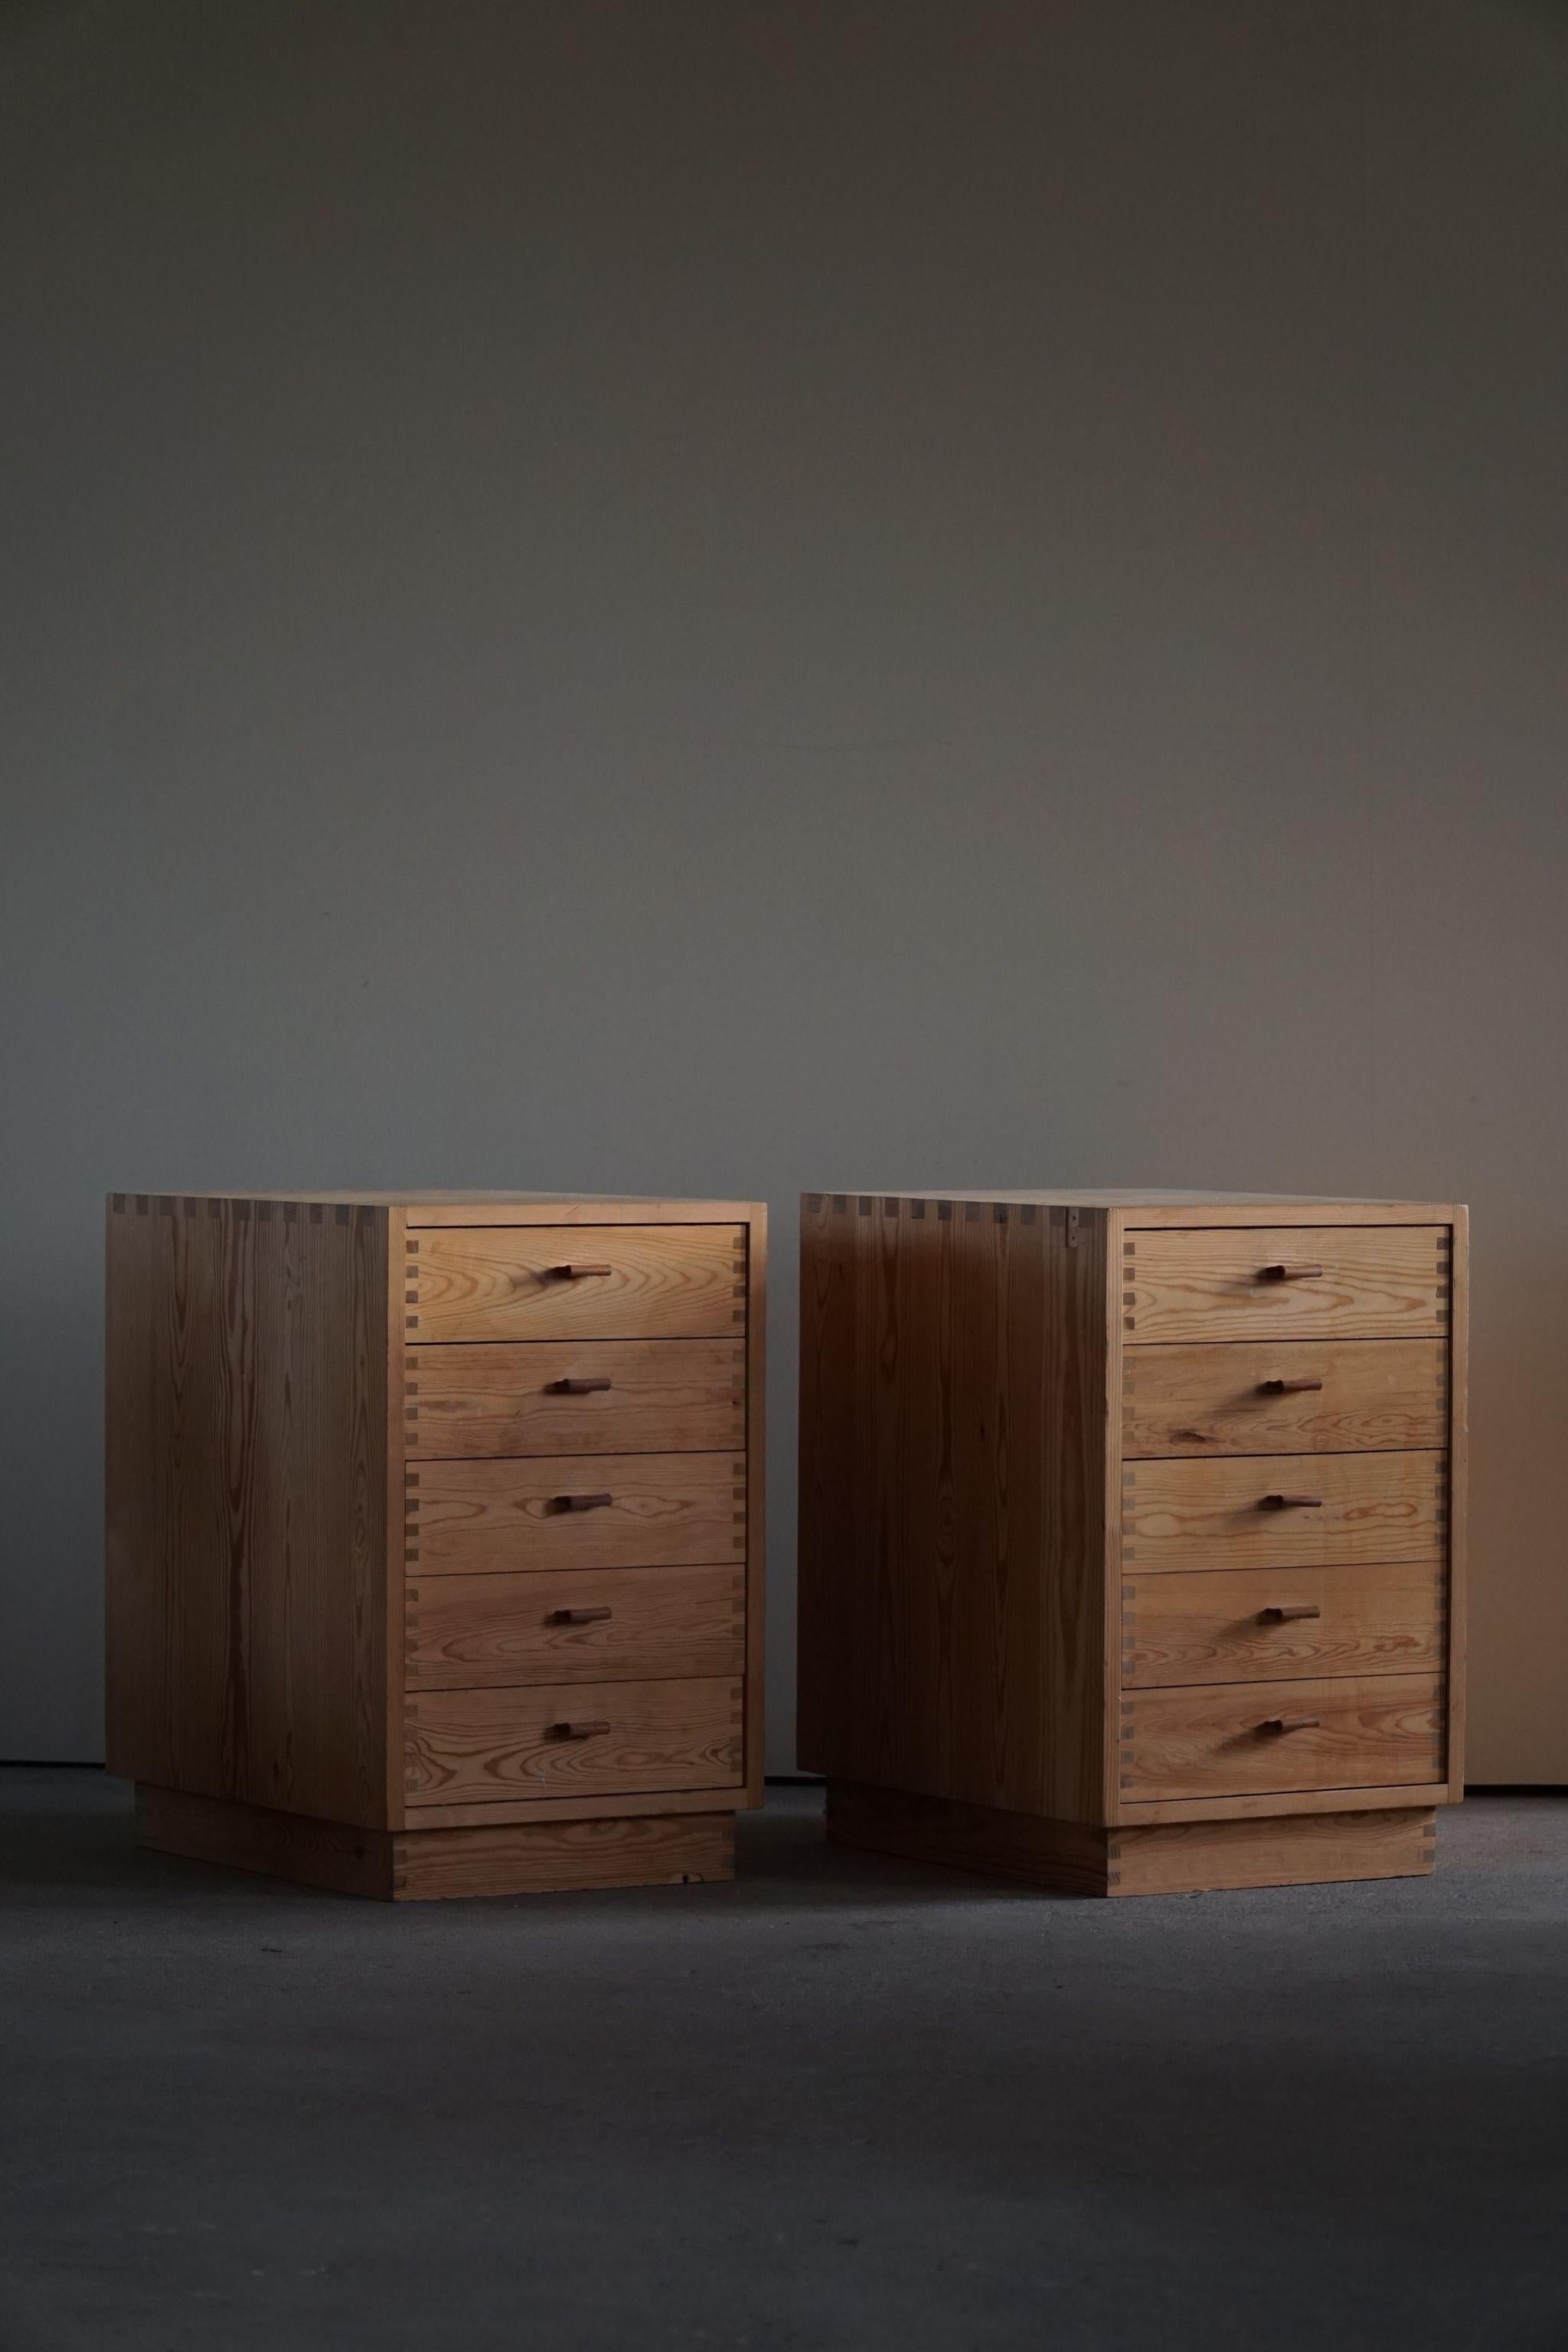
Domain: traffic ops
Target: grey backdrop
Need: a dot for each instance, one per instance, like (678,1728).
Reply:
(718,595)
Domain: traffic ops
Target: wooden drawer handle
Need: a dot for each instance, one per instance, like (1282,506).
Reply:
(1291,1502)
(577,1616)
(581,1502)
(1282,1612)
(1287,1388)
(576,1731)
(575,1271)
(1281,1273)
(586,1387)
(1290,1723)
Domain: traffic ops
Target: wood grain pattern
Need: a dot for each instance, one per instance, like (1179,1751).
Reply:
(1076,1858)
(472,1744)
(993,1840)
(246,1484)
(498,1282)
(421,1865)
(276,1843)
(1144,1451)
(935,1351)
(662,1396)
(558,1857)
(669,1510)
(639,1623)
(1295,1850)
(1374,1509)
(1213,1740)
(1209,1398)
(1375,1282)
(1217,1627)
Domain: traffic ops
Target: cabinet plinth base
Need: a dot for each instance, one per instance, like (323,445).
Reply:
(1154,1858)
(413,1864)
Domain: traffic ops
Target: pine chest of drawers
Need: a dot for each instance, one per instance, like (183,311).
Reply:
(434,1546)
(1131,1532)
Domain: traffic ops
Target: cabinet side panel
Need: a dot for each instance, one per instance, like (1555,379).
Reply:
(247,1503)
(922,1600)
(1077,1441)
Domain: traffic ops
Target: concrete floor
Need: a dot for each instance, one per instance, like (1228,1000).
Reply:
(842,2104)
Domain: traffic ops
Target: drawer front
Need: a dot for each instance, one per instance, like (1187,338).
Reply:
(1232,1739)
(1285,1396)
(1284,1510)
(576,1282)
(1261,1624)
(595,1396)
(576,1740)
(1286,1282)
(589,1625)
(578,1510)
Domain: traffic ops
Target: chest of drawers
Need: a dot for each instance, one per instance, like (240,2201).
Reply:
(435,1547)
(1131,1532)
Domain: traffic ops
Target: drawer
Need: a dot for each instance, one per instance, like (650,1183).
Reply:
(577,1510)
(1284,1510)
(1261,1624)
(589,1625)
(595,1396)
(576,1282)
(1285,1396)
(576,1740)
(1232,1740)
(1287,1282)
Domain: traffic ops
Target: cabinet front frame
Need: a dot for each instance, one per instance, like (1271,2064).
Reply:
(1121,1224)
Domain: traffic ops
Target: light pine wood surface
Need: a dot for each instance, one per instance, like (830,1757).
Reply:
(582,1626)
(1338,1283)
(624,1282)
(1229,1739)
(246,1445)
(1103,1493)
(1284,1510)
(1259,1624)
(423,1865)
(595,1396)
(364,1583)
(1285,1396)
(586,1510)
(572,1740)
(1172,1858)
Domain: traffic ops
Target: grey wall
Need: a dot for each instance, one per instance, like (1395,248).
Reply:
(718,595)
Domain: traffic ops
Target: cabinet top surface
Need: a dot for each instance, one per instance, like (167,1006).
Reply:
(1111,1197)
(541,1207)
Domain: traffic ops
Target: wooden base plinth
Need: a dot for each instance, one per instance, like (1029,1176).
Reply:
(1155,1858)
(416,1866)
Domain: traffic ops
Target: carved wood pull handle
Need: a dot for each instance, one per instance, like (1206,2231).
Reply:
(1283,1610)
(1291,1502)
(576,1270)
(577,1616)
(1290,1723)
(1287,1388)
(1281,1273)
(576,1731)
(581,1502)
(586,1387)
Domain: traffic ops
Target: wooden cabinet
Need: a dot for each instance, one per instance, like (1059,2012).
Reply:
(1131,1532)
(434,1546)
